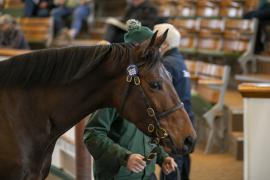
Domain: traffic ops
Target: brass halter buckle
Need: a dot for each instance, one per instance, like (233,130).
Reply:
(150,156)
(137,80)
(155,141)
(129,78)
(151,128)
(161,133)
(151,112)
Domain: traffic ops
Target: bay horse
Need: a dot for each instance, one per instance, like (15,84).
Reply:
(45,93)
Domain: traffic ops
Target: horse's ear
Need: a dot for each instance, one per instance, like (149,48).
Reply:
(153,39)
(160,40)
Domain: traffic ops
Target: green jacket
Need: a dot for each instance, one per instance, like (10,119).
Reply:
(109,138)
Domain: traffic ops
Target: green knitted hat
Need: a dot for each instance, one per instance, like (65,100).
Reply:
(136,32)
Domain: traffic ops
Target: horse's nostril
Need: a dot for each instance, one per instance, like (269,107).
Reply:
(189,140)
(189,143)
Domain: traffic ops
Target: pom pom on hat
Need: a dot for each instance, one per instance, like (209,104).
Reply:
(133,24)
(136,32)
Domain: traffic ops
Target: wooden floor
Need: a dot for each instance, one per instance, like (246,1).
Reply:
(215,167)
(218,166)
(234,100)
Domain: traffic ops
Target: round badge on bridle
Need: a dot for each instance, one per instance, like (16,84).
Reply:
(132,70)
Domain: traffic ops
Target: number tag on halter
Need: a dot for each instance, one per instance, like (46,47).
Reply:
(132,70)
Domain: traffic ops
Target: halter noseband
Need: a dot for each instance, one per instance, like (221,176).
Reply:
(158,132)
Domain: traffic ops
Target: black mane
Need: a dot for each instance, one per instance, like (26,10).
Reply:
(62,65)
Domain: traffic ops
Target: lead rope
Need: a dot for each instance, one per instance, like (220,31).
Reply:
(148,158)
(133,76)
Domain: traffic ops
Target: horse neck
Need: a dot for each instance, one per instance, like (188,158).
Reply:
(92,91)
(77,100)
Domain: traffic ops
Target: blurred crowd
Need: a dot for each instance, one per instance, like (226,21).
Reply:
(70,15)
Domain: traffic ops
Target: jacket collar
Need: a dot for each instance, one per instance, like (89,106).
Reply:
(171,52)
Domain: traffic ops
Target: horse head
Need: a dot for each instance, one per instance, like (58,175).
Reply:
(149,100)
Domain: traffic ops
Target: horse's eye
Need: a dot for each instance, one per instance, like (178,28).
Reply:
(155,85)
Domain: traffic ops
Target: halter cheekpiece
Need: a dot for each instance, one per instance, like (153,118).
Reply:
(133,78)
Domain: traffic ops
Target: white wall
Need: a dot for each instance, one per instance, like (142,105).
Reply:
(256,139)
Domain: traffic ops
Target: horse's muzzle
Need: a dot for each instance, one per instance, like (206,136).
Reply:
(189,145)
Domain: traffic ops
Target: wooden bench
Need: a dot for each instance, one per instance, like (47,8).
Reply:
(208,8)
(255,78)
(222,38)
(209,44)
(188,29)
(192,68)
(13,4)
(210,36)
(250,5)
(13,7)
(212,82)
(215,26)
(185,25)
(37,30)
(261,75)
(239,38)
(186,8)
(231,8)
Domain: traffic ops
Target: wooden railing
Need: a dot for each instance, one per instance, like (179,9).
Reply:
(12,52)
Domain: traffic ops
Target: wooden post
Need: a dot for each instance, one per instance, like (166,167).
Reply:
(83,157)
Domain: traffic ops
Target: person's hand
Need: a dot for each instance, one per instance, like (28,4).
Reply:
(135,163)
(168,165)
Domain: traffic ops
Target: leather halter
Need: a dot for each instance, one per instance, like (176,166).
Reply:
(155,129)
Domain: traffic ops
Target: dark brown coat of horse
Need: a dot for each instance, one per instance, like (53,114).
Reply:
(45,93)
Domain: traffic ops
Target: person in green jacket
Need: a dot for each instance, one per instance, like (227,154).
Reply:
(118,146)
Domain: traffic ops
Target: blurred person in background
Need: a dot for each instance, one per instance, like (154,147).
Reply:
(262,13)
(10,34)
(141,10)
(79,10)
(174,63)
(1,6)
(38,8)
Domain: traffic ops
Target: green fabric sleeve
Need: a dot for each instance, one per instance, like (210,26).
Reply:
(161,155)
(102,148)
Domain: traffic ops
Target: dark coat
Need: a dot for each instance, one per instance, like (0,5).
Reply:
(174,63)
